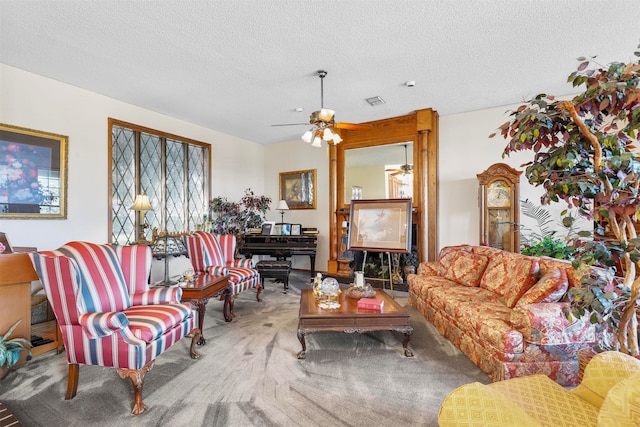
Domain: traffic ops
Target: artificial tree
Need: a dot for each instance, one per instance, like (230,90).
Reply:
(584,155)
(236,217)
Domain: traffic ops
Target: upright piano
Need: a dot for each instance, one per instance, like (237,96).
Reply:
(280,247)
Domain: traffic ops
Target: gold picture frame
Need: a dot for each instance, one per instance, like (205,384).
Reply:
(33,174)
(381,225)
(298,189)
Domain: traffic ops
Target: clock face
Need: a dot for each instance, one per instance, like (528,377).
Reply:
(498,195)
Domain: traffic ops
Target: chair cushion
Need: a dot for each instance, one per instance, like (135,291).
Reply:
(546,401)
(476,404)
(149,322)
(622,404)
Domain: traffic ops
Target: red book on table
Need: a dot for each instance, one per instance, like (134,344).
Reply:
(371,304)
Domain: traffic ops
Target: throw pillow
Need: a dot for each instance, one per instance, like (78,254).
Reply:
(510,275)
(551,287)
(521,278)
(462,267)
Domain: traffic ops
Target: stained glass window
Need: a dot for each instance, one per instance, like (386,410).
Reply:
(172,171)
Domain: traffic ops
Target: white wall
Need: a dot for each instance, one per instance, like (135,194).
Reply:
(36,102)
(292,156)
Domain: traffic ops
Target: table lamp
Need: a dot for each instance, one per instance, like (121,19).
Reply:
(166,246)
(141,204)
(282,206)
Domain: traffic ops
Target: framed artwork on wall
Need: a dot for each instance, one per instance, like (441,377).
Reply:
(33,174)
(298,189)
(380,225)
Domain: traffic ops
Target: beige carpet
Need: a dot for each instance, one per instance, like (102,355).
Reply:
(249,376)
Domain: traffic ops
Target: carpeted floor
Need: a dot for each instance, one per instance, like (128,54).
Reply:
(249,375)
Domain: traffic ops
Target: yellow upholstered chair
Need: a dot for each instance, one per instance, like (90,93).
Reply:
(609,395)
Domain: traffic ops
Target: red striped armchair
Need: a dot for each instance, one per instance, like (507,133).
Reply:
(215,255)
(108,315)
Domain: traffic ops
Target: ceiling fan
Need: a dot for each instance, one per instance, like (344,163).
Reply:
(405,169)
(323,121)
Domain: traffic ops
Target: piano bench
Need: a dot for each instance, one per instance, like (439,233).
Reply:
(275,269)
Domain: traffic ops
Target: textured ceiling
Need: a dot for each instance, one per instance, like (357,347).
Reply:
(239,66)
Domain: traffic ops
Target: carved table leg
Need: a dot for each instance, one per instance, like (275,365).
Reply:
(259,291)
(405,343)
(136,377)
(303,353)
(201,306)
(197,337)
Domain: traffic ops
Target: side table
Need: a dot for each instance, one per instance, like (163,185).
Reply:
(199,290)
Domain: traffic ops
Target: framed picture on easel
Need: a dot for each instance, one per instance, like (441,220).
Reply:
(380,225)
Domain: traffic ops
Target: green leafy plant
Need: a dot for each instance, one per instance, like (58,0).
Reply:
(584,155)
(550,247)
(229,217)
(10,349)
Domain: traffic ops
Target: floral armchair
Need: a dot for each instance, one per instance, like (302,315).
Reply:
(108,315)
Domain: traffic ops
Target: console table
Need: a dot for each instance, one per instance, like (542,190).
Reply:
(16,275)
(280,247)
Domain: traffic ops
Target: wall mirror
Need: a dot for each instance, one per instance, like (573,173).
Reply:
(380,172)
(386,138)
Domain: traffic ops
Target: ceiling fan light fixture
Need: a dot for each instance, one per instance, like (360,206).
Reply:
(308,135)
(336,139)
(317,142)
(327,135)
(326,115)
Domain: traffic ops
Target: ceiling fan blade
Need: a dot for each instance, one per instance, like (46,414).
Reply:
(292,124)
(351,126)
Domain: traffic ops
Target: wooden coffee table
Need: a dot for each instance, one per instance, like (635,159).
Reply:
(349,318)
(199,290)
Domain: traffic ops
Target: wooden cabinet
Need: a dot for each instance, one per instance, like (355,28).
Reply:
(16,275)
(499,204)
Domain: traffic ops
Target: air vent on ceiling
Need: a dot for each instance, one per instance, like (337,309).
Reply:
(376,100)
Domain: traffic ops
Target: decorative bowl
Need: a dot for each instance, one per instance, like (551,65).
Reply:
(367,292)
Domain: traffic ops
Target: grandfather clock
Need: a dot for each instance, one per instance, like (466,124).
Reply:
(499,207)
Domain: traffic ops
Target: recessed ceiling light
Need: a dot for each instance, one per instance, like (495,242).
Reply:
(299,109)
(376,100)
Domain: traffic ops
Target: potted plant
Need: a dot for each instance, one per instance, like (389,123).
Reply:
(409,263)
(10,350)
(584,155)
(229,217)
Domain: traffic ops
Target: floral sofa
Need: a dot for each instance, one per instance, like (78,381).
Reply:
(504,310)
